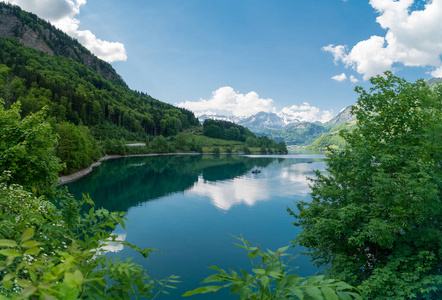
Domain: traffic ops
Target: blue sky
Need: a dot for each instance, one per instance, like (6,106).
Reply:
(240,56)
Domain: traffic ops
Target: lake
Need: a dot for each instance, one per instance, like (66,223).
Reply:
(188,206)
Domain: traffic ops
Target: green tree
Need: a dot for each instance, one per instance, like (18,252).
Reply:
(77,148)
(375,215)
(181,142)
(213,131)
(27,147)
(160,145)
(281,148)
(250,141)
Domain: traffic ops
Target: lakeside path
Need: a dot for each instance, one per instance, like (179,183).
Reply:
(84,172)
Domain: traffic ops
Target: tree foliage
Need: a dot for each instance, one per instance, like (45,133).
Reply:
(50,251)
(58,253)
(76,93)
(271,280)
(27,147)
(226,130)
(375,216)
(77,149)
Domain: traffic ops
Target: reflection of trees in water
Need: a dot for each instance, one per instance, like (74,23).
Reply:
(235,169)
(122,183)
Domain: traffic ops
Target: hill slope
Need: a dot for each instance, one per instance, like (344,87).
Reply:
(38,34)
(76,86)
(85,99)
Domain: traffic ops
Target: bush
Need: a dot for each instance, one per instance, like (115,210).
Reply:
(27,147)
(375,215)
(52,253)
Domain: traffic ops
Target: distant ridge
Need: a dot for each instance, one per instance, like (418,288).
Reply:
(344,116)
(433,81)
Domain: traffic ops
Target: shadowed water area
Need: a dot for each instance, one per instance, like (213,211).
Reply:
(188,205)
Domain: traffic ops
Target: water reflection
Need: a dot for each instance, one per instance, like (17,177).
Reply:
(227,180)
(187,206)
(112,246)
(251,188)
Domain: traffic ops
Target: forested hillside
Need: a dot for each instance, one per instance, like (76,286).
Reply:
(86,100)
(78,94)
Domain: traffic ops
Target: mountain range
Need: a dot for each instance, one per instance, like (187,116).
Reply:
(258,122)
(284,127)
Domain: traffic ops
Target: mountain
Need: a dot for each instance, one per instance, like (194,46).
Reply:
(41,66)
(286,128)
(258,122)
(301,134)
(304,133)
(204,117)
(344,116)
(262,121)
(85,100)
(38,34)
(433,82)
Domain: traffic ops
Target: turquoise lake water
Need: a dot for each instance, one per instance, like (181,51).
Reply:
(188,206)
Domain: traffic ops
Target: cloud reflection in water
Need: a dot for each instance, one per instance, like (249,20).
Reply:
(287,181)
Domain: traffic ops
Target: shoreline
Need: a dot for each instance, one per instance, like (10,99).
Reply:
(77,175)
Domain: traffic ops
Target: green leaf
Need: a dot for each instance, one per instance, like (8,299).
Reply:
(202,290)
(214,278)
(259,271)
(30,244)
(8,243)
(283,249)
(8,277)
(10,253)
(253,254)
(33,251)
(265,281)
(73,279)
(49,297)
(329,294)
(314,292)
(27,235)
(9,260)
(344,296)
(28,291)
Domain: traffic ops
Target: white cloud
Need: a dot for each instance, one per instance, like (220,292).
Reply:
(339,52)
(61,13)
(437,72)
(307,113)
(227,101)
(353,79)
(413,38)
(340,77)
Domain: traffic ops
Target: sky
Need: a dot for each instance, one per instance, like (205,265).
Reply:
(240,57)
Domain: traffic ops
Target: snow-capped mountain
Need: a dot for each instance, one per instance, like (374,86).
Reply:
(262,121)
(257,122)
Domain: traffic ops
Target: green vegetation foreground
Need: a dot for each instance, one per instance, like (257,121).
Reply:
(375,220)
